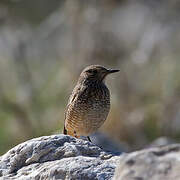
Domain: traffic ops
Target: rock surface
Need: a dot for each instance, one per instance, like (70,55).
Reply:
(57,157)
(150,164)
(64,157)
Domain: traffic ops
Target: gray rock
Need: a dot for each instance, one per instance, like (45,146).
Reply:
(162,141)
(150,164)
(64,157)
(57,157)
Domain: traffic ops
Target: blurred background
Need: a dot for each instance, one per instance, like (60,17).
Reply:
(45,44)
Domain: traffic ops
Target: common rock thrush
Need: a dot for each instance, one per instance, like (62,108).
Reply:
(89,103)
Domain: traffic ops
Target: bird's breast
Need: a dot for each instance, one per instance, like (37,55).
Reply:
(89,110)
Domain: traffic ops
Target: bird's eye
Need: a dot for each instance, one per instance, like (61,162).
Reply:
(92,71)
(95,71)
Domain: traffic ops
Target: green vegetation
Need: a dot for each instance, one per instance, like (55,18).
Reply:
(44,46)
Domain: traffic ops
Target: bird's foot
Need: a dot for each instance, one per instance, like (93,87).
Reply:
(89,139)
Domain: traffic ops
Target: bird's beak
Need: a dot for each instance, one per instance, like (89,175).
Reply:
(112,71)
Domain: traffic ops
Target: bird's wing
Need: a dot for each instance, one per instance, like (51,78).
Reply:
(77,93)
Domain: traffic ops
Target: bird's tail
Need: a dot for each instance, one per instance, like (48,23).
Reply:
(65,131)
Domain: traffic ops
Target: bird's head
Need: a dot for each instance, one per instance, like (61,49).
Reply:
(96,73)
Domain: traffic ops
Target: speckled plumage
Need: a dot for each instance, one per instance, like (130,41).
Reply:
(89,103)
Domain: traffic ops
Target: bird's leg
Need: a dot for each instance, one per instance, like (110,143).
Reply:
(75,135)
(89,139)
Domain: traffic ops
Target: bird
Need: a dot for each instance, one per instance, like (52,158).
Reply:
(89,104)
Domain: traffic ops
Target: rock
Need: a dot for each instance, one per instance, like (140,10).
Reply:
(57,157)
(150,164)
(162,141)
(65,157)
